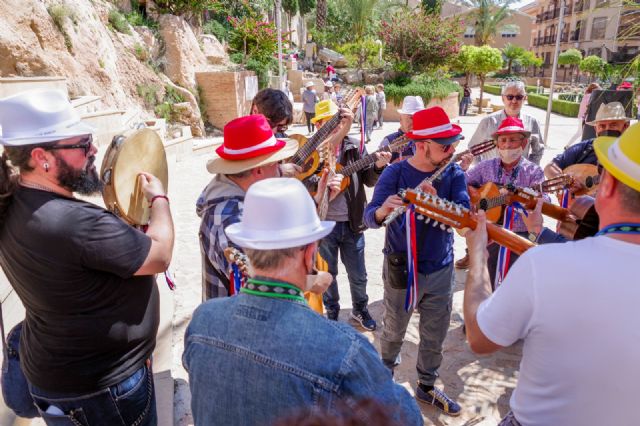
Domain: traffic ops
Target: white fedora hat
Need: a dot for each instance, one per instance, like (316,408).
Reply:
(278,213)
(39,116)
(411,105)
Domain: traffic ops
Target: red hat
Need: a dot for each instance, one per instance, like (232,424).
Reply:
(249,142)
(511,125)
(625,85)
(433,123)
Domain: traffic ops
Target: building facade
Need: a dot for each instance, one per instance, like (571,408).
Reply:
(595,27)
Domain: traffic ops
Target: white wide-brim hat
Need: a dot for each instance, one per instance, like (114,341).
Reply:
(39,116)
(609,112)
(278,213)
(411,105)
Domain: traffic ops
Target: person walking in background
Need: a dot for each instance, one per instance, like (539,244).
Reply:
(371,112)
(466,99)
(329,93)
(382,104)
(309,100)
(582,113)
(331,71)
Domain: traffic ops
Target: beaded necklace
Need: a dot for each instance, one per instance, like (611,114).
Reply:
(273,289)
(620,228)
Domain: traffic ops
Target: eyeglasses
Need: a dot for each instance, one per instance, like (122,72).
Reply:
(510,140)
(516,97)
(278,128)
(85,144)
(445,148)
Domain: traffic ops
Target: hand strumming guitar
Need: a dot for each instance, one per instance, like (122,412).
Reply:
(333,183)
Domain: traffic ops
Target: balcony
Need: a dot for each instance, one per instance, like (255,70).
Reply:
(575,35)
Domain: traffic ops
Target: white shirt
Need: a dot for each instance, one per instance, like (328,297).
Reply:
(577,307)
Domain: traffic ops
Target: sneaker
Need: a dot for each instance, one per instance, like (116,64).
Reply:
(333,314)
(364,319)
(463,263)
(438,399)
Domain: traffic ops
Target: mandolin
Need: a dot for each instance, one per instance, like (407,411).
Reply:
(446,213)
(586,175)
(490,198)
(307,156)
(241,260)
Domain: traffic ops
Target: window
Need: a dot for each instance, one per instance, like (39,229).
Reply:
(470,32)
(597,51)
(598,28)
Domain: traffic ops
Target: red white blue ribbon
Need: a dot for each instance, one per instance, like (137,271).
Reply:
(412,260)
(564,202)
(235,280)
(363,120)
(504,254)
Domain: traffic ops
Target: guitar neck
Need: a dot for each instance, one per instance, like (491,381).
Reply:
(548,209)
(508,239)
(315,140)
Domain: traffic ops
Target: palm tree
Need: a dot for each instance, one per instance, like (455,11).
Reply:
(321,14)
(359,13)
(512,53)
(488,15)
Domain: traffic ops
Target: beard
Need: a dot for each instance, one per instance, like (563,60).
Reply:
(436,164)
(84,181)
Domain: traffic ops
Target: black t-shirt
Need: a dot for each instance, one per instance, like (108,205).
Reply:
(89,322)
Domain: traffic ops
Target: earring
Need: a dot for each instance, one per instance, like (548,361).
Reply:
(46,167)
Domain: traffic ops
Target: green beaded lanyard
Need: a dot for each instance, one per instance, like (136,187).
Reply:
(621,228)
(273,289)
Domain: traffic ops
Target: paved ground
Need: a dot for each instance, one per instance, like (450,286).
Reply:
(482,385)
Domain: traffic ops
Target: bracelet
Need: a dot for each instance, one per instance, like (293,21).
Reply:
(156,197)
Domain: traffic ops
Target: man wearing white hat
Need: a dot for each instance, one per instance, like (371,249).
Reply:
(575,305)
(309,101)
(265,354)
(610,120)
(250,152)
(85,277)
(329,92)
(410,105)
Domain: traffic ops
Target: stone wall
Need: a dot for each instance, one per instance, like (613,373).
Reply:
(224,95)
(450,104)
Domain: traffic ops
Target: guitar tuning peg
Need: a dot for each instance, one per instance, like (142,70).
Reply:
(427,220)
(449,229)
(443,226)
(420,217)
(435,224)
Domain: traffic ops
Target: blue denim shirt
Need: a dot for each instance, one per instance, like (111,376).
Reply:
(252,360)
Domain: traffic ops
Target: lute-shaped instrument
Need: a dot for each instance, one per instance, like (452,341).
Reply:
(585,174)
(475,150)
(446,213)
(307,156)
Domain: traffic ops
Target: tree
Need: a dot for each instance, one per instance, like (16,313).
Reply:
(431,7)
(529,59)
(415,41)
(512,53)
(321,14)
(187,8)
(594,65)
(569,57)
(485,59)
(488,15)
(359,14)
(290,7)
(462,62)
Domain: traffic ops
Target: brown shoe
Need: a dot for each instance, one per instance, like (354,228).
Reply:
(463,263)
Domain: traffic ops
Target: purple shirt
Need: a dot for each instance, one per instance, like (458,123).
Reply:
(527,174)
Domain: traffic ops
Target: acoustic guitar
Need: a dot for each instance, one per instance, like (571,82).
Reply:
(446,213)
(307,156)
(241,260)
(490,198)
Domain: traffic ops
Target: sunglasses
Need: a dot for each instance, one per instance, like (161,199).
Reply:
(445,148)
(279,128)
(516,97)
(85,144)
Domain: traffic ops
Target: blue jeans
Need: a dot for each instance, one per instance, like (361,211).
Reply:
(130,402)
(351,247)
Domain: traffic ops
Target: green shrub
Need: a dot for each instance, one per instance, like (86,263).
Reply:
(149,93)
(569,109)
(236,58)
(217,29)
(494,90)
(141,52)
(119,22)
(59,13)
(165,110)
(137,19)
(361,54)
(261,68)
(435,89)
(172,96)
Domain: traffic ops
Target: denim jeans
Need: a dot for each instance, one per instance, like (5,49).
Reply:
(351,247)
(435,293)
(128,403)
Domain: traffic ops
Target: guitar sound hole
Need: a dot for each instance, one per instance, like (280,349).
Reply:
(483,204)
(589,182)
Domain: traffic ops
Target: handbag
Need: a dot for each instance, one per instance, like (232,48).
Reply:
(15,389)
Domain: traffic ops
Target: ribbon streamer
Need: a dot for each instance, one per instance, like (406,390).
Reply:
(564,202)
(504,255)
(411,300)
(363,121)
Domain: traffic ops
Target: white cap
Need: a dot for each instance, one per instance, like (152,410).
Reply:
(39,116)
(328,84)
(278,213)
(411,105)
(309,84)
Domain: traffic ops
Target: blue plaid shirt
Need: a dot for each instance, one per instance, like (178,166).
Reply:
(219,205)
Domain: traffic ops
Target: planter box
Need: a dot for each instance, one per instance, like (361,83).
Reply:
(450,104)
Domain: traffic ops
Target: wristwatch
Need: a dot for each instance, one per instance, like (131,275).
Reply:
(533,237)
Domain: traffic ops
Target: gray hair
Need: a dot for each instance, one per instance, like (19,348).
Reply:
(271,259)
(515,84)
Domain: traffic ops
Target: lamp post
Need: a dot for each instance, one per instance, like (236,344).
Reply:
(279,31)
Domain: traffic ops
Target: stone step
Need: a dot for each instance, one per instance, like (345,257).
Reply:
(108,123)
(87,104)
(14,85)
